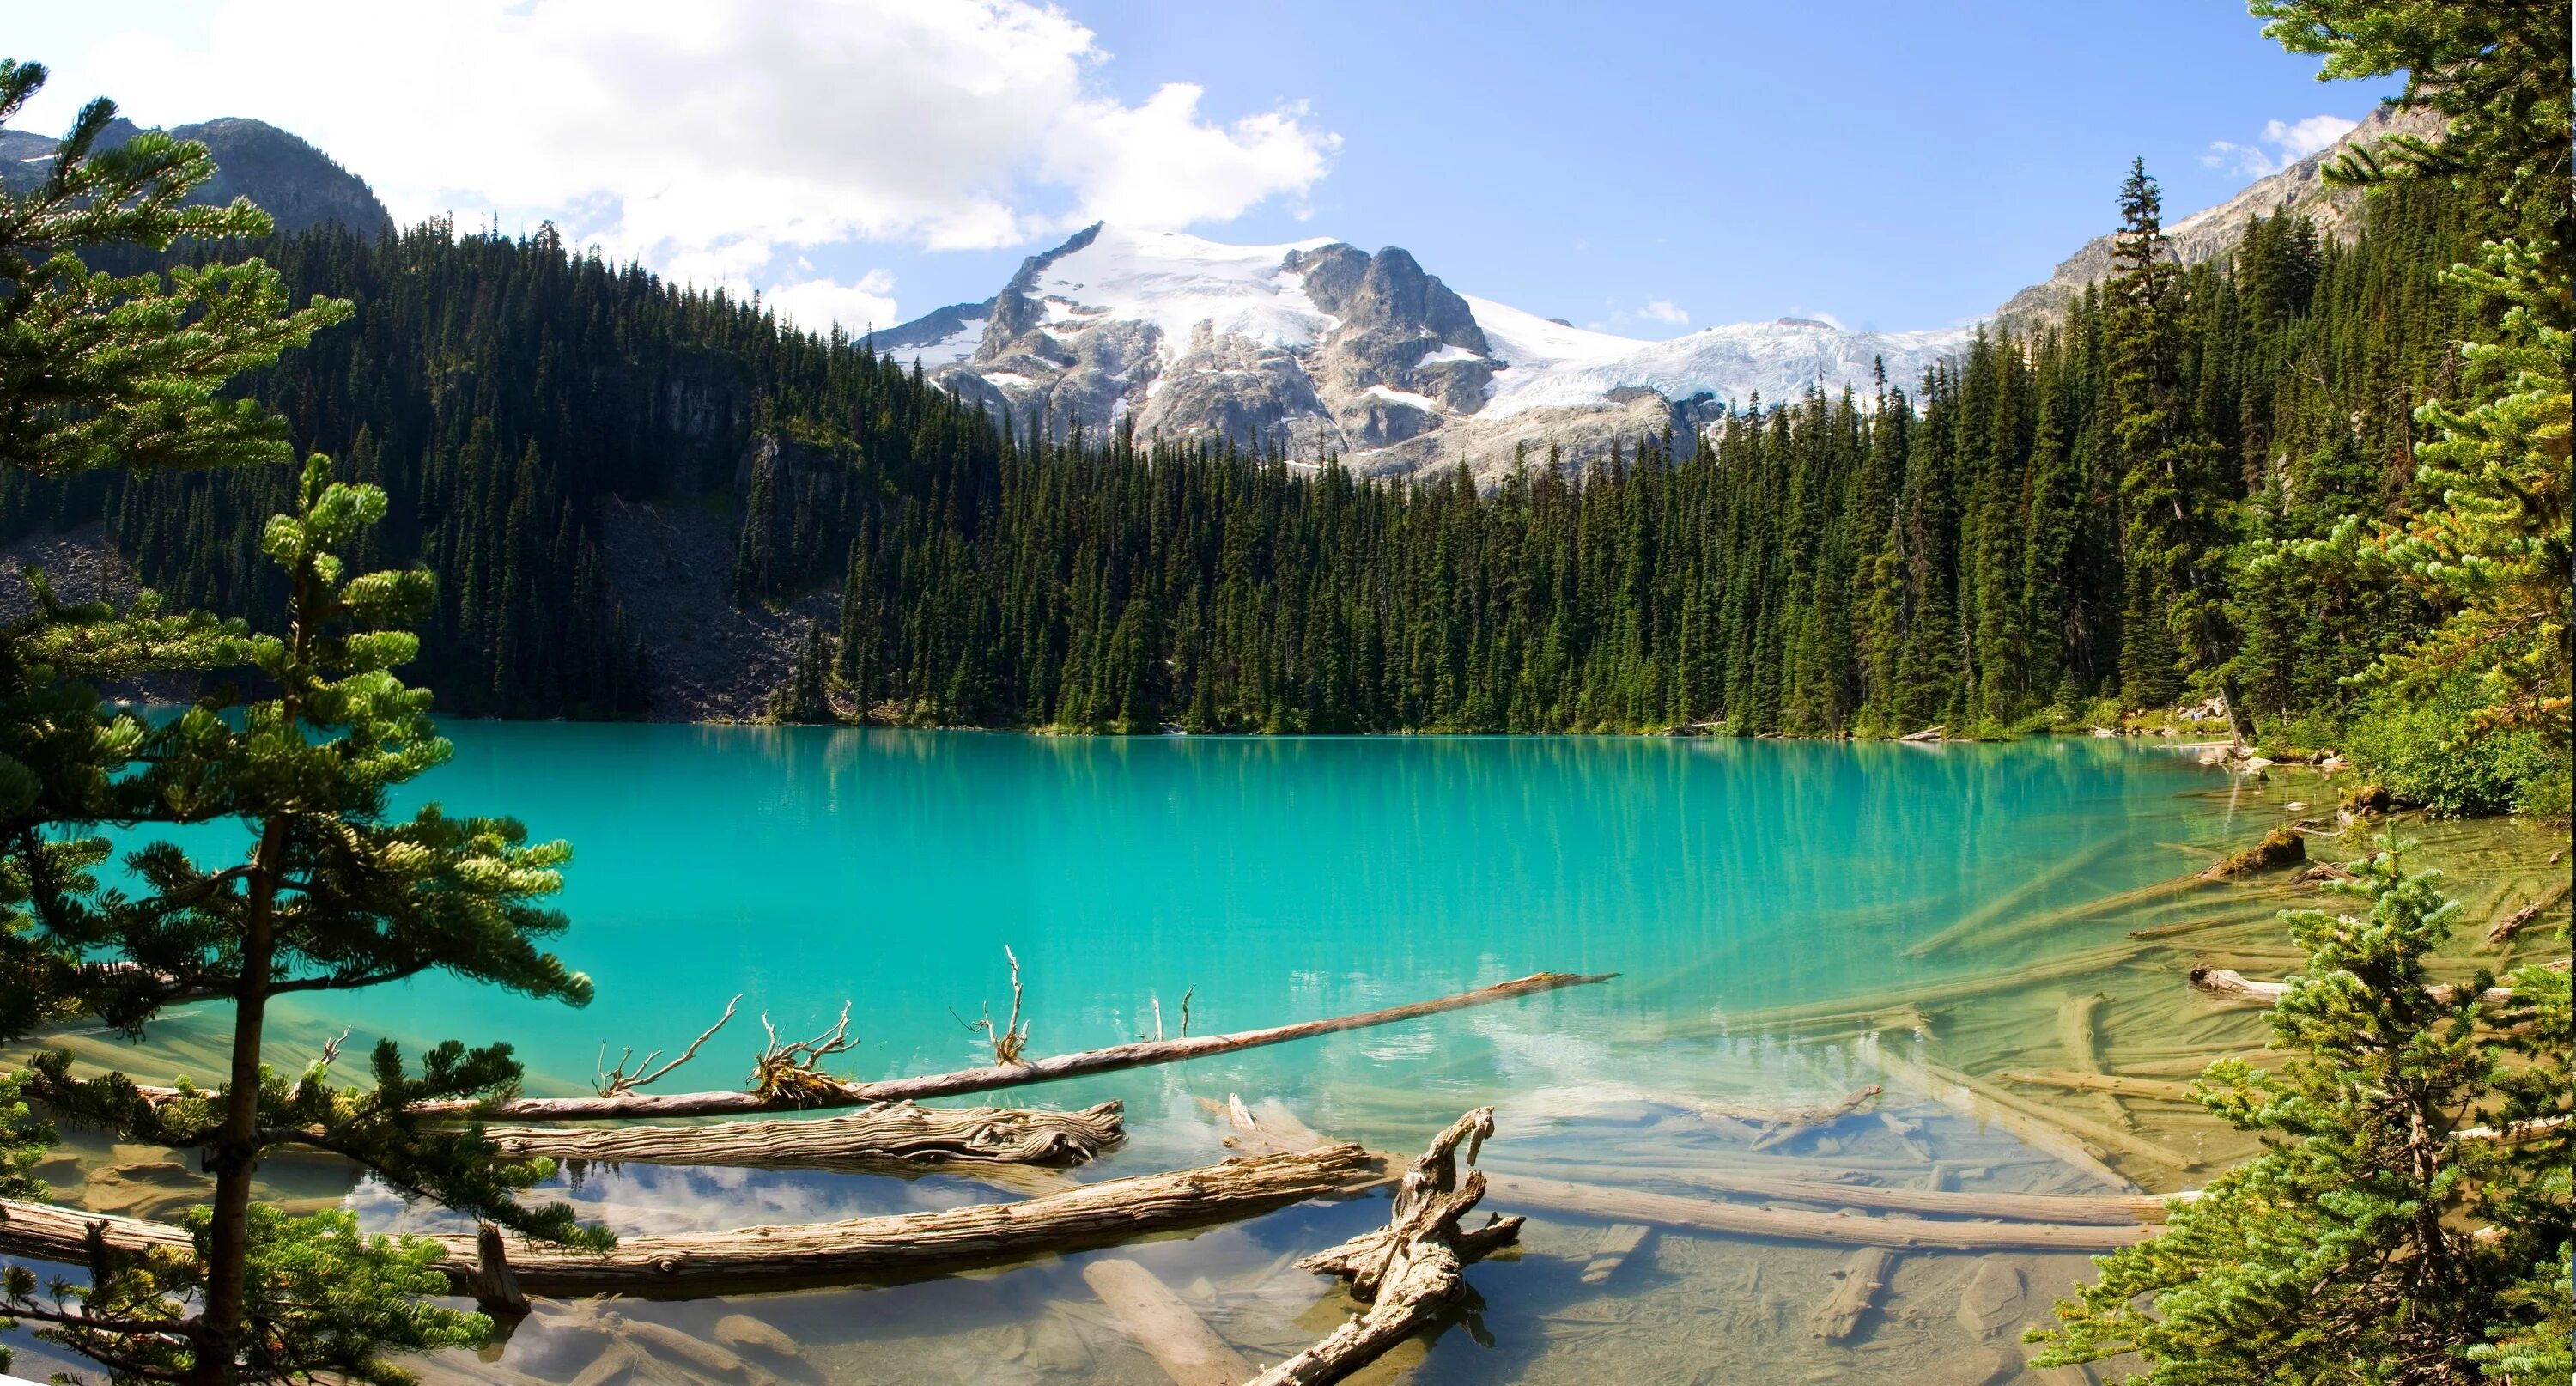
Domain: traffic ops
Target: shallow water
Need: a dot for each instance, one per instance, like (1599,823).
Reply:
(1727,882)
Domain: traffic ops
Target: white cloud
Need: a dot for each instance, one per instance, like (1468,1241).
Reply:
(1662,310)
(2290,141)
(816,304)
(717,139)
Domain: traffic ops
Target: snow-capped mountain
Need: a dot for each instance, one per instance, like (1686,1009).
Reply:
(1318,348)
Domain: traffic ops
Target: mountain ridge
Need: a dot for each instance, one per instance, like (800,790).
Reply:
(296,183)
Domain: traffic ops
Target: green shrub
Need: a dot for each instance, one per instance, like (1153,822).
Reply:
(2418,751)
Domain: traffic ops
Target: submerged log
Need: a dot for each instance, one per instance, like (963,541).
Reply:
(2076,1035)
(2110,1210)
(1179,1341)
(1770,1127)
(2119,1084)
(2085,1128)
(2048,1135)
(1410,1271)
(2506,926)
(831,1092)
(1619,1241)
(2281,846)
(897,1133)
(1788,1224)
(1905,999)
(1863,1276)
(2015,898)
(893,1245)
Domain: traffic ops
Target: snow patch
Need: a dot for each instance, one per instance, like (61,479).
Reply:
(1176,282)
(1425,403)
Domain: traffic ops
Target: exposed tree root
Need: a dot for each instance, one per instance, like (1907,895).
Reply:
(1410,1272)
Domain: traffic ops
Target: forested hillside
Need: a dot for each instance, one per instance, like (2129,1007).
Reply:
(1965,550)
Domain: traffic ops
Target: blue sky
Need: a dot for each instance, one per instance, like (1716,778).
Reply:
(1647,167)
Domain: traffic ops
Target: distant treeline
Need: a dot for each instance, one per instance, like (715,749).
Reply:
(1979,549)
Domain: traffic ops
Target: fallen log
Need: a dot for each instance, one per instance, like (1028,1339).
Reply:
(1786,1224)
(2281,846)
(2119,1084)
(2110,1210)
(1410,1271)
(2508,925)
(897,1133)
(2047,1135)
(824,1091)
(1863,1276)
(1179,1341)
(1927,734)
(891,1246)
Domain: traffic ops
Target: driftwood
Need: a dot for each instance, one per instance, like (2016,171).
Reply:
(895,1245)
(2279,847)
(1863,1276)
(2228,984)
(897,1133)
(1786,1224)
(2120,1084)
(1619,1241)
(825,1091)
(2050,1136)
(2506,926)
(1410,1271)
(2110,1210)
(1179,1341)
(1927,734)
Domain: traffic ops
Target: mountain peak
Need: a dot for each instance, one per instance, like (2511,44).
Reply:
(1317,348)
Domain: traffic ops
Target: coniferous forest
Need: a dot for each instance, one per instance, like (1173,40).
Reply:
(1968,550)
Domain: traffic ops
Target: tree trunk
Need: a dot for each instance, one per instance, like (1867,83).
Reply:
(234,1154)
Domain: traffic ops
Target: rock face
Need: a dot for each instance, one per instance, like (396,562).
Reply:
(289,179)
(1320,349)
(2214,231)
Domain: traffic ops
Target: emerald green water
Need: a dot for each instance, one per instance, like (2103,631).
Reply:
(1283,879)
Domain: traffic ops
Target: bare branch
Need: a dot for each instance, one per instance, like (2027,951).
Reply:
(1011,1042)
(617,1080)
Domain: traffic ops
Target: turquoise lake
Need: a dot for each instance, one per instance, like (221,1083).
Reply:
(1273,880)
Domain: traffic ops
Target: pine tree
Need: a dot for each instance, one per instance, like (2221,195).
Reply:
(334,895)
(2379,1237)
(2492,550)
(2171,484)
